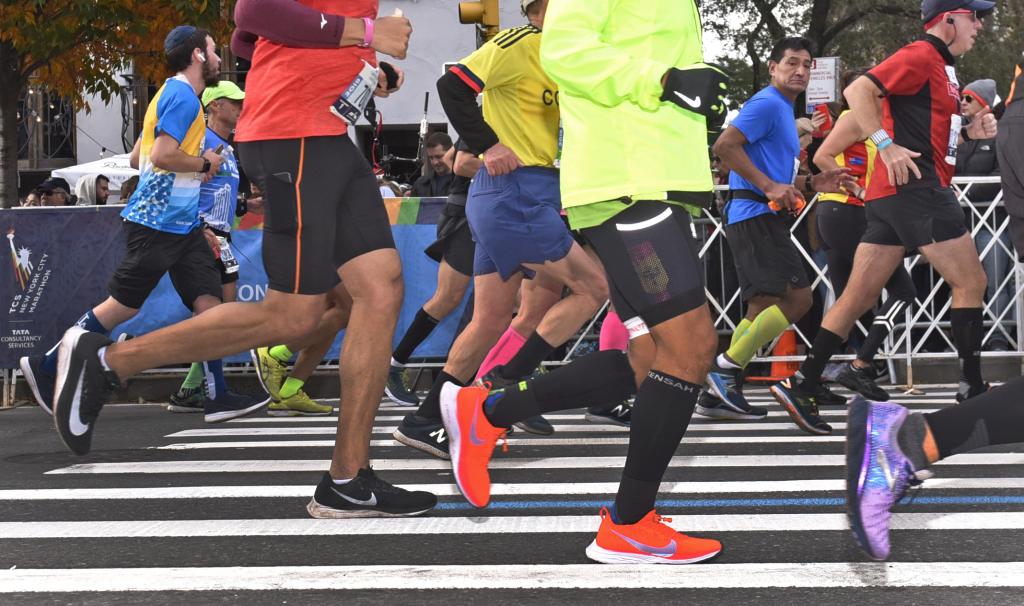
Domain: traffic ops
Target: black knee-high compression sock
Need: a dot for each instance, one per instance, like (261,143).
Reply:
(422,325)
(967,333)
(528,358)
(598,379)
(430,407)
(880,328)
(664,405)
(826,344)
(994,417)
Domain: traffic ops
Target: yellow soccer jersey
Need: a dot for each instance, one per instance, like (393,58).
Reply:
(520,100)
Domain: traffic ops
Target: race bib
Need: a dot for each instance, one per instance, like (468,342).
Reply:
(351,104)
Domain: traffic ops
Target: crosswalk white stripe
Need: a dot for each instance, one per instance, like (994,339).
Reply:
(445,490)
(745,522)
(282,465)
(555,419)
(537,576)
(545,442)
(388,430)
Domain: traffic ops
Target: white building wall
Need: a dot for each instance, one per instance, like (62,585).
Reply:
(98,129)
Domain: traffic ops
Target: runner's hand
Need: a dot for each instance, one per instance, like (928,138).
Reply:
(215,161)
(833,181)
(786,197)
(255,205)
(899,163)
(699,88)
(382,80)
(983,125)
(212,241)
(501,160)
(391,35)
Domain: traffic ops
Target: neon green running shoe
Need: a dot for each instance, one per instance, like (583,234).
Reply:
(270,371)
(299,405)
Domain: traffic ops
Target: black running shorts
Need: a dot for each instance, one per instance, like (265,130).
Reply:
(152,253)
(840,227)
(767,261)
(914,218)
(454,243)
(652,261)
(322,208)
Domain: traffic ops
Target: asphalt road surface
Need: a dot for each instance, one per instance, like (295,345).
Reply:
(169,510)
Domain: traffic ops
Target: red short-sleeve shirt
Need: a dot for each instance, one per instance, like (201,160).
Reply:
(289,91)
(921,112)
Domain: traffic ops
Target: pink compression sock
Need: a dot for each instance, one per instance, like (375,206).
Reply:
(614,334)
(507,346)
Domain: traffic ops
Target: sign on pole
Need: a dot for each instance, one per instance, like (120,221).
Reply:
(823,86)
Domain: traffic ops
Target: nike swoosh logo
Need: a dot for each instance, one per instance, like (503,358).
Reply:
(75,425)
(890,477)
(371,502)
(666,551)
(693,102)
(323,21)
(472,430)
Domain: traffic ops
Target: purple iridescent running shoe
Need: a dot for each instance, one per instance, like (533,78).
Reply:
(877,472)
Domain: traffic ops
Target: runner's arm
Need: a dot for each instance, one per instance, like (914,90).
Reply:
(845,133)
(287,22)
(459,101)
(466,164)
(729,147)
(574,55)
(865,99)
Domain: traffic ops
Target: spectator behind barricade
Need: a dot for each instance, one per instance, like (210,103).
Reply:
(32,199)
(388,188)
(977,158)
(92,190)
(438,179)
(55,191)
(127,189)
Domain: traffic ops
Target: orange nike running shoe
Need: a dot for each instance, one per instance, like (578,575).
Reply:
(471,440)
(649,541)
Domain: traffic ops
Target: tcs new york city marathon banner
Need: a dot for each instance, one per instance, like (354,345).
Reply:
(60,260)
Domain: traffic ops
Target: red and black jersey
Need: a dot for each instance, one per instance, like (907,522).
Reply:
(921,112)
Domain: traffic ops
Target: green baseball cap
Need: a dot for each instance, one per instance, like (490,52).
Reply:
(225,89)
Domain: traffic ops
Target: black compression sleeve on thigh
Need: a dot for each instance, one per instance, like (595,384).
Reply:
(967,333)
(664,405)
(422,325)
(883,324)
(826,343)
(527,359)
(430,408)
(994,417)
(599,379)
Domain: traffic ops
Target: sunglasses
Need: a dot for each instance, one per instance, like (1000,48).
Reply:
(969,99)
(46,192)
(973,14)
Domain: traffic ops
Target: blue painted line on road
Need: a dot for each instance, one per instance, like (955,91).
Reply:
(697,503)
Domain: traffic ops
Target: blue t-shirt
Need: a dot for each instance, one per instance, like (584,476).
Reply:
(168,201)
(767,121)
(218,197)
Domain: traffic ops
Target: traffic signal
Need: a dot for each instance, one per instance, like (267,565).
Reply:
(484,13)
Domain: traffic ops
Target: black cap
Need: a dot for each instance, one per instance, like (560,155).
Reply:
(931,9)
(53,183)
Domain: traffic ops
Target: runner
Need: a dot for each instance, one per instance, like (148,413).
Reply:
(632,84)
(841,225)
(453,250)
(162,228)
(513,211)
(324,220)
(911,105)
(762,147)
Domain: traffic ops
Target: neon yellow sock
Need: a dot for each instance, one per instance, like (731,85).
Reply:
(741,328)
(766,326)
(291,387)
(281,353)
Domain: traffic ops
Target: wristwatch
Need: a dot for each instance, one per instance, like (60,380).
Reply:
(206,166)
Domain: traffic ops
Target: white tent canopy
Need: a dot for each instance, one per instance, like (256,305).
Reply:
(115,168)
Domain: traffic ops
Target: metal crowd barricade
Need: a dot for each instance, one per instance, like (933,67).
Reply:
(924,331)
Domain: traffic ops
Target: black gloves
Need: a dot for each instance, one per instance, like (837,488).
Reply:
(701,89)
